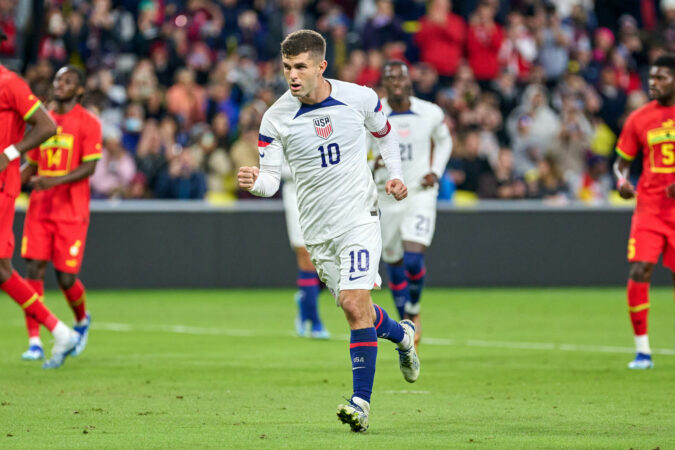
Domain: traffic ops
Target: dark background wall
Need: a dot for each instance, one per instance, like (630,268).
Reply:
(193,245)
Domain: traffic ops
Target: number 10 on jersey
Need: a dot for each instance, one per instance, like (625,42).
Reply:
(330,154)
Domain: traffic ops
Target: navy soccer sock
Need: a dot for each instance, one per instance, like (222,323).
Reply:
(416,272)
(386,327)
(308,283)
(363,352)
(398,283)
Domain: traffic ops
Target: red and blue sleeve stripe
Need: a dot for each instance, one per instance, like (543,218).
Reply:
(264,141)
(378,108)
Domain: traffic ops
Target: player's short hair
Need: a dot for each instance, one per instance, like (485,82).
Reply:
(392,63)
(302,41)
(667,60)
(81,78)
(395,62)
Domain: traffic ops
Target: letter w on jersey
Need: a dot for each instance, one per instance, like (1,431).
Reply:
(323,127)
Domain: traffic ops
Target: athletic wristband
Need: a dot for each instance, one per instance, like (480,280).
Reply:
(620,182)
(11,153)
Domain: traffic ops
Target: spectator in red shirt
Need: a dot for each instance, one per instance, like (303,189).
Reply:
(483,42)
(441,38)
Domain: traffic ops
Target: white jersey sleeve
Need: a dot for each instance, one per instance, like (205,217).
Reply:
(271,156)
(440,136)
(375,119)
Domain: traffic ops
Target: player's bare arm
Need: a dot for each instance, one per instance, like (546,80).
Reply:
(28,170)
(42,128)
(247,177)
(625,187)
(85,170)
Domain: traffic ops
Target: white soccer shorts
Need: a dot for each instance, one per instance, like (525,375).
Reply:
(351,260)
(290,198)
(412,219)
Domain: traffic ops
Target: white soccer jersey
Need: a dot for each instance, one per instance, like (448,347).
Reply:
(325,146)
(415,130)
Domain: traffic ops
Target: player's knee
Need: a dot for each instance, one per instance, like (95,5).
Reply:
(65,280)
(35,270)
(304,260)
(351,308)
(5,270)
(414,262)
(640,272)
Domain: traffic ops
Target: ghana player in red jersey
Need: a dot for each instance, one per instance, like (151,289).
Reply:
(58,214)
(19,105)
(650,129)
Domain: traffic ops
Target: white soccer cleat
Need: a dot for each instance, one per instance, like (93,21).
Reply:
(62,349)
(34,353)
(642,361)
(407,357)
(83,331)
(355,414)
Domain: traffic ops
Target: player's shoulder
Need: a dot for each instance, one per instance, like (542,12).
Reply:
(643,111)
(284,108)
(424,107)
(355,95)
(9,79)
(86,115)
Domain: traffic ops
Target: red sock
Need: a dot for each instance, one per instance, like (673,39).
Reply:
(33,325)
(638,306)
(17,288)
(75,297)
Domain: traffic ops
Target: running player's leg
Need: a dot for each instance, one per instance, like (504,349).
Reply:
(36,250)
(69,245)
(359,253)
(392,251)
(417,232)
(16,287)
(308,295)
(639,278)
(644,248)
(416,274)
(308,280)
(35,271)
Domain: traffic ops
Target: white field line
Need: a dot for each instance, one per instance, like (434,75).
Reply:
(181,329)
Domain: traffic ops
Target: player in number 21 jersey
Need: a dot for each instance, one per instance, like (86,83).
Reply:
(319,125)
(652,130)
(58,214)
(408,226)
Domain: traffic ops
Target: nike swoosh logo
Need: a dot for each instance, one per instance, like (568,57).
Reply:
(351,278)
(357,368)
(262,155)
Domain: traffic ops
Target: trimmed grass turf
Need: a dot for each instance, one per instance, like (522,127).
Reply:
(239,378)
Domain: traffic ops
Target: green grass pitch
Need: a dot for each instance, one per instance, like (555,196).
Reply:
(501,368)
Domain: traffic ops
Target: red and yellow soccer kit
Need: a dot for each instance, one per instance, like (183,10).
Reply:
(652,129)
(57,219)
(17,104)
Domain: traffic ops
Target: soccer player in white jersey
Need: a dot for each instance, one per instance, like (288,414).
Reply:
(408,227)
(307,323)
(320,127)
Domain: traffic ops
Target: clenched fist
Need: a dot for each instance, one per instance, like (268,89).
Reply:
(396,188)
(247,176)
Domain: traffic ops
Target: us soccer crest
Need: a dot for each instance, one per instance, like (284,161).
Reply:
(323,127)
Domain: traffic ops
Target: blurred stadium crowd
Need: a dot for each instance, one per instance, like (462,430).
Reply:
(535,92)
